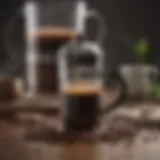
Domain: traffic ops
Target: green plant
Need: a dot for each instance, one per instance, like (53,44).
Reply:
(141,50)
(155,90)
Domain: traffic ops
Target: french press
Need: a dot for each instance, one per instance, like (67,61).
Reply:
(81,76)
(49,24)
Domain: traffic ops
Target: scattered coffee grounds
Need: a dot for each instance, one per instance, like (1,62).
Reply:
(119,128)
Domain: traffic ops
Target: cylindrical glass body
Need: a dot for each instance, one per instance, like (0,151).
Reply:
(49,25)
(81,84)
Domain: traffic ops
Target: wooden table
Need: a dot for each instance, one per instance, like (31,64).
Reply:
(40,103)
(140,149)
(10,133)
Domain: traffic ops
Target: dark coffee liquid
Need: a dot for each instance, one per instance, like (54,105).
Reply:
(49,40)
(81,107)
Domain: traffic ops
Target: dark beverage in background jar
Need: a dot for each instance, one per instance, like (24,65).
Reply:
(49,40)
(82,104)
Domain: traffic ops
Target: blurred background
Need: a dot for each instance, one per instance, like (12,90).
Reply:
(125,21)
(131,48)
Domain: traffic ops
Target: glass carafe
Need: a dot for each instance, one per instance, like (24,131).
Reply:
(48,25)
(81,68)
(55,23)
(81,77)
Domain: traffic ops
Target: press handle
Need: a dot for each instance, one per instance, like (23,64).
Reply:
(101,22)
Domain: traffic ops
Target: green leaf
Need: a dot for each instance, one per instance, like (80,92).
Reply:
(141,49)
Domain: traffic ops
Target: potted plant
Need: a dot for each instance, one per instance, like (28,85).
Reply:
(137,75)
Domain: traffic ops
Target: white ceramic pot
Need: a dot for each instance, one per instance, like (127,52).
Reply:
(137,78)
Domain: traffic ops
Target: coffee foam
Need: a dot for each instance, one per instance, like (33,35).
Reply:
(82,89)
(55,33)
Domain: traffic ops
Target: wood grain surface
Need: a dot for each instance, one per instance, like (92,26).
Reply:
(144,146)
